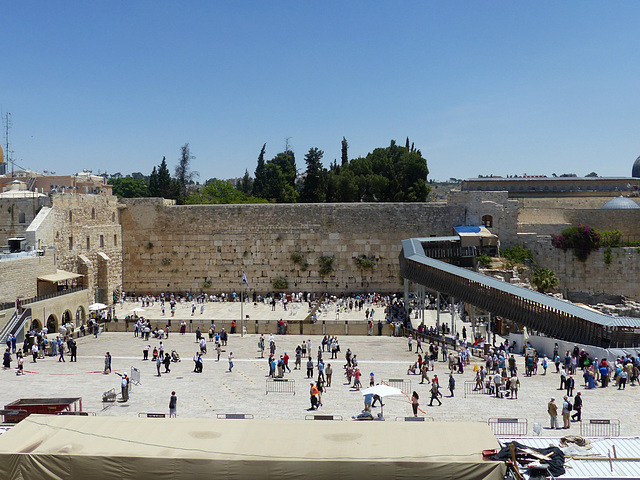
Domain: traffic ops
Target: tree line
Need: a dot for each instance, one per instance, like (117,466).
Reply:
(391,174)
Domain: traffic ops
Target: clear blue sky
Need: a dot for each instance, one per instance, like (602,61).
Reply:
(480,87)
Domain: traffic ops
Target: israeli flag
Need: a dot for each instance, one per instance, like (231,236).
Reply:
(244,280)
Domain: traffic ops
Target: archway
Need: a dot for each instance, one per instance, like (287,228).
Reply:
(52,325)
(36,325)
(52,320)
(80,315)
(487,221)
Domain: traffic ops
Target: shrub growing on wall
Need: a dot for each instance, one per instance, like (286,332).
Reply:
(582,239)
(326,265)
(279,283)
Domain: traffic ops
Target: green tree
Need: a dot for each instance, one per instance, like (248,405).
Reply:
(260,180)
(345,151)
(544,279)
(280,178)
(162,185)
(128,187)
(220,192)
(245,185)
(153,182)
(314,188)
(183,173)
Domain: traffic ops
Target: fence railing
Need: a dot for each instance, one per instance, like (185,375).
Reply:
(51,295)
(153,415)
(323,417)
(280,385)
(508,426)
(471,388)
(235,416)
(415,419)
(600,427)
(401,383)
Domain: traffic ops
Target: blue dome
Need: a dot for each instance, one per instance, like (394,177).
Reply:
(620,203)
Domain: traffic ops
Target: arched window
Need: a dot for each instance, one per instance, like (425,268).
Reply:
(21,218)
(487,221)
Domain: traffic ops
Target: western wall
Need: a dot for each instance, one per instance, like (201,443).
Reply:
(205,247)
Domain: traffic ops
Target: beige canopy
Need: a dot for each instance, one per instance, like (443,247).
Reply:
(59,276)
(48,446)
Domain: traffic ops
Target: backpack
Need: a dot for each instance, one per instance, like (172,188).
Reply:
(569,406)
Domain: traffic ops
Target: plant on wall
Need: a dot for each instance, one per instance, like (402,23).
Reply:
(544,279)
(166,261)
(298,259)
(279,283)
(326,265)
(582,239)
(364,263)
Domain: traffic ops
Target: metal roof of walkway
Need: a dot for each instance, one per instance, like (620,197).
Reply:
(555,318)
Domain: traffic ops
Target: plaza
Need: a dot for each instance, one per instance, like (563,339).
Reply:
(216,391)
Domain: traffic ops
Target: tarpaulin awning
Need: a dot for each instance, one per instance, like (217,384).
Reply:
(51,446)
(59,276)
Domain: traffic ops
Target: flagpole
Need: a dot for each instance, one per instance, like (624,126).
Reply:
(241,308)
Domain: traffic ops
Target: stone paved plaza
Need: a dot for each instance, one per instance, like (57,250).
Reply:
(216,391)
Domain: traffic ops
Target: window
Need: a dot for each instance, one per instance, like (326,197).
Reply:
(21,217)
(113,217)
(487,221)
(70,243)
(101,241)
(115,240)
(93,214)
(88,244)
(70,216)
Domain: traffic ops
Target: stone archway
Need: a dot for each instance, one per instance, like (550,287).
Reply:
(80,316)
(52,320)
(36,325)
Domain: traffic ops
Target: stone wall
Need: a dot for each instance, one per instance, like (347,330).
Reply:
(85,233)
(17,213)
(205,247)
(545,221)
(593,275)
(18,277)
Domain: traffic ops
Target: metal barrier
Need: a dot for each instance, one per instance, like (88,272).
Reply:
(153,415)
(470,388)
(109,396)
(600,428)
(415,419)
(508,426)
(323,417)
(235,416)
(401,383)
(78,414)
(280,385)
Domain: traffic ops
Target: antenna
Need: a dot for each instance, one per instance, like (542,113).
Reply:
(7,126)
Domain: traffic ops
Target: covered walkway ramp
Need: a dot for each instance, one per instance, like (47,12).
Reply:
(551,316)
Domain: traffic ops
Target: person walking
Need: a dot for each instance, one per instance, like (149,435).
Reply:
(452,383)
(566,412)
(577,407)
(552,410)
(435,392)
(158,363)
(414,403)
(230,361)
(167,363)
(173,405)
(328,372)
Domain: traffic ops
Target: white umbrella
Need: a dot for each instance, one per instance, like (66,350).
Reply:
(97,306)
(138,310)
(382,390)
